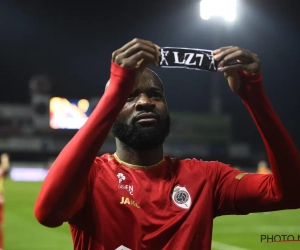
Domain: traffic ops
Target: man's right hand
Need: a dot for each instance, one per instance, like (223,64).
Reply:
(137,54)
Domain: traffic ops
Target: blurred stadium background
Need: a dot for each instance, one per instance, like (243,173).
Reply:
(54,64)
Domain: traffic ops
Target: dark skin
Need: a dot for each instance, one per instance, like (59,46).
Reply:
(137,54)
(247,61)
(147,98)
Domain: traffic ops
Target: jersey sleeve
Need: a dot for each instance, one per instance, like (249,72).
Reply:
(80,208)
(224,179)
(236,193)
(257,193)
(276,191)
(63,191)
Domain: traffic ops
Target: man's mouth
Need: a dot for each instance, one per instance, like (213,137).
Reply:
(147,119)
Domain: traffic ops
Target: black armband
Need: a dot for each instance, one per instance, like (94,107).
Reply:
(197,59)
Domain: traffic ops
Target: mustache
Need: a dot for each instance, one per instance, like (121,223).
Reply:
(136,117)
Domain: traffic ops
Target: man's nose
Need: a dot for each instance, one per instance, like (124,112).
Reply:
(144,103)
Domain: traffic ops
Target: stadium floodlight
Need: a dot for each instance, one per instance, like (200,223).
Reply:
(224,8)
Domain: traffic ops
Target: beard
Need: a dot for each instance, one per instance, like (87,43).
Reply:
(143,137)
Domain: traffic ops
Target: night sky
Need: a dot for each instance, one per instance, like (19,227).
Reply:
(72,43)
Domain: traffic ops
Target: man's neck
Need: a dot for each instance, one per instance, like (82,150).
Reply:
(139,157)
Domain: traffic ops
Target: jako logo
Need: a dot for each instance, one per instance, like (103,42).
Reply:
(273,238)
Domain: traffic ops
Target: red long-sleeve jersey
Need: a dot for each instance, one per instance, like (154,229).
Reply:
(110,204)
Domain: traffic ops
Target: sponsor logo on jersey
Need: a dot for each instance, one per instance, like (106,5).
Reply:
(181,197)
(121,185)
(121,177)
(125,200)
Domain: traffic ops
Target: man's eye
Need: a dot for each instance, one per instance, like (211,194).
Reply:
(130,98)
(156,94)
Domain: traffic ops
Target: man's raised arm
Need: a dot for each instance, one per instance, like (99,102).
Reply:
(63,191)
(254,192)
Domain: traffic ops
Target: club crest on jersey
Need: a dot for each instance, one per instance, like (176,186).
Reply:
(181,197)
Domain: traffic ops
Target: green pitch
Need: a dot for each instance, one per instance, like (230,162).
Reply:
(23,232)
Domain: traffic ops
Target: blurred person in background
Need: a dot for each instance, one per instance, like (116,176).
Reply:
(139,198)
(4,168)
(262,168)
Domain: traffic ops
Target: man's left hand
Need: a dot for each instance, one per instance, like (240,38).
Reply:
(244,60)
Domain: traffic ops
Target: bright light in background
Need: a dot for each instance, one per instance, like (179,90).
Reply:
(224,8)
(83,105)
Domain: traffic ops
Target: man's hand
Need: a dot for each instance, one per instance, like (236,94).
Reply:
(137,54)
(245,61)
